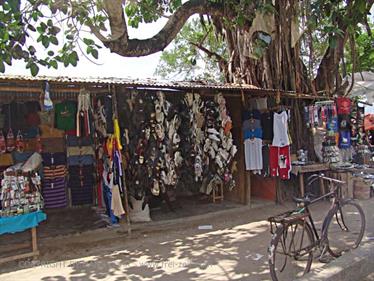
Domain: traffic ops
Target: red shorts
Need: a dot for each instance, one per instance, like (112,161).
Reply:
(280,162)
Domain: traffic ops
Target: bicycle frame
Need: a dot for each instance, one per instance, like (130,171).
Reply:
(308,219)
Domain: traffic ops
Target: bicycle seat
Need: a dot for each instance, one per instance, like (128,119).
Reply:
(305,200)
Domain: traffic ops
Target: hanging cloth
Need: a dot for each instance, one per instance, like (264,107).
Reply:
(83,114)
(117,134)
(2,143)
(47,102)
(20,145)
(10,141)
(116,205)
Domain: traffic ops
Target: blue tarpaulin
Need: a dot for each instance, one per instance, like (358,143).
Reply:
(21,222)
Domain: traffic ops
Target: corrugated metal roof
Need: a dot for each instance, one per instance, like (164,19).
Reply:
(149,83)
(132,82)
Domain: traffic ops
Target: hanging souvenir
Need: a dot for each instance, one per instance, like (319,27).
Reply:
(2,143)
(20,145)
(10,141)
(38,143)
(47,102)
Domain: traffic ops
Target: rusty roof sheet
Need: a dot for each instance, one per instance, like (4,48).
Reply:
(132,82)
(151,83)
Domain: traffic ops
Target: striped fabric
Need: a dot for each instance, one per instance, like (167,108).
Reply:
(54,191)
(53,172)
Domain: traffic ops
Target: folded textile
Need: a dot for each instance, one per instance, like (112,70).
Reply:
(58,158)
(6,159)
(53,145)
(79,150)
(76,169)
(79,141)
(47,131)
(80,160)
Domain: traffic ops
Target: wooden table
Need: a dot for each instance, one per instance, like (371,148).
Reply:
(33,253)
(299,170)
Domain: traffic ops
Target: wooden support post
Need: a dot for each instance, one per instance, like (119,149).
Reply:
(248,187)
(34,240)
(301,183)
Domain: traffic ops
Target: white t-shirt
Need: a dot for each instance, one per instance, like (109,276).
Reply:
(280,128)
(253,154)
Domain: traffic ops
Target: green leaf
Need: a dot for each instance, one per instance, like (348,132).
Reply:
(31,27)
(88,41)
(32,50)
(45,41)
(14,5)
(95,53)
(2,66)
(55,30)
(34,69)
(51,53)
(53,63)
(53,40)
(50,23)
(73,58)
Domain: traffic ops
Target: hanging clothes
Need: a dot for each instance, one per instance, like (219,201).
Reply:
(253,155)
(280,128)
(83,121)
(66,115)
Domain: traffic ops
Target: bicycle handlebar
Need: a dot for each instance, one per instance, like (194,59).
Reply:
(314,177)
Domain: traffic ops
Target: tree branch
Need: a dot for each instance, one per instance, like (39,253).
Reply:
(124,46)
(208,52)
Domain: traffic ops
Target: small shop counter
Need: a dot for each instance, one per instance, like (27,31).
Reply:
(299,170)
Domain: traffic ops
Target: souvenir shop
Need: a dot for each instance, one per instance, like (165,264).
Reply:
(121,150)
(130,149)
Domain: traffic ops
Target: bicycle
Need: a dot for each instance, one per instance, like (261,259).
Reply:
(295,236)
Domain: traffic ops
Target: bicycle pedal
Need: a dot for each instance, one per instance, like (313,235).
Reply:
(326,259)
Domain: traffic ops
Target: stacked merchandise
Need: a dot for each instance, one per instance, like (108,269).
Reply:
(252,134)
(163,136)
(218,145)
(20,188)
(192,134)
(80,161)
(54,180)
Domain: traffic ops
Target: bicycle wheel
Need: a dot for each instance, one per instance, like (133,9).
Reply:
(291,251)
(345,228)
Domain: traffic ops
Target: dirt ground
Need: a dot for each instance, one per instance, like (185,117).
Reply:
(234,249)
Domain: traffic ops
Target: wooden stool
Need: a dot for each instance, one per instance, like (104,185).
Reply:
(218,192)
